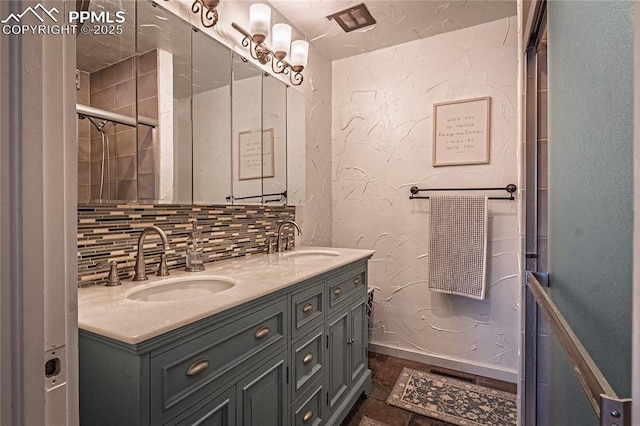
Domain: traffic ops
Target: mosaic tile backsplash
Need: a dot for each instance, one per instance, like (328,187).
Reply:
(110,232)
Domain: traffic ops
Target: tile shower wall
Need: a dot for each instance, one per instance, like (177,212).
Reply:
(110,232)
(382,145)
(131,165)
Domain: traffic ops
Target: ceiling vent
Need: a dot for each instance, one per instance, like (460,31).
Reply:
(353,18)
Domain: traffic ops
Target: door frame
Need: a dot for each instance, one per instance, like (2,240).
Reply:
(635,386)
(38,225)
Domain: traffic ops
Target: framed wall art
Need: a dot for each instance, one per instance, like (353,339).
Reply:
(461,132)
(255,154)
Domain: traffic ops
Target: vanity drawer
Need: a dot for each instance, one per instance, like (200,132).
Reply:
(307,308)
(308,360)
(309,411)
(183,375)
(344,285)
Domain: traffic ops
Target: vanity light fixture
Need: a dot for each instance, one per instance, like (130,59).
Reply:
(254,39)
(207,10)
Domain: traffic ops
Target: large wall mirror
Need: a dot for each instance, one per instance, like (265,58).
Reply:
(296,137)
(106,104)
(211,120)
(246,138)
(164,92)
(167,114)
(274,140)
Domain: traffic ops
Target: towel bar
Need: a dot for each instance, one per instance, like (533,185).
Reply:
(511,189)
(282,195)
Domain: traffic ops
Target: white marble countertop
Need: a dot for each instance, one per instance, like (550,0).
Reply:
(107,310)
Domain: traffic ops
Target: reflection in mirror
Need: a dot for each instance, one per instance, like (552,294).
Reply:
(295,147)
(246,127)
(211,120)
(164,93)
(106,88)
(274,140)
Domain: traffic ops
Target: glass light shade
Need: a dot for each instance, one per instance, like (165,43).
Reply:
(259,20)
(281,39)
(299,53)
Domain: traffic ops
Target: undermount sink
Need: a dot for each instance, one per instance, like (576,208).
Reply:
(182,288)
(311,254)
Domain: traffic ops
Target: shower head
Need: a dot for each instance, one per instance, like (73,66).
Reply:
(100,126)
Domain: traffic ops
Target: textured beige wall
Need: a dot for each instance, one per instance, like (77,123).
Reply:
(382,145)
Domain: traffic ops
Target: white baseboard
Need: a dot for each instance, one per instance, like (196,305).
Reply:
(463,366)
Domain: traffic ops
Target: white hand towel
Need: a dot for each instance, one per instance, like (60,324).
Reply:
(458,245)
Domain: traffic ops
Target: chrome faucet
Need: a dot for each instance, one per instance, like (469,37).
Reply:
(279,246)
(141,267)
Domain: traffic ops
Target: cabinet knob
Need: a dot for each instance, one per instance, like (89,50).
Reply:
(262,332)
(307,358)
(356,280)
(337,291)
(197,367)
(307,308)
(307,416)
(351,341)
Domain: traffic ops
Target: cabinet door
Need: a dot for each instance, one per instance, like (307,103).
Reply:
(338,377)
(358,338)
(262,395)
(218,411)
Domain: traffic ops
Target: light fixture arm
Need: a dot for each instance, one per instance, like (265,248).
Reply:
(263,54)
(207,10)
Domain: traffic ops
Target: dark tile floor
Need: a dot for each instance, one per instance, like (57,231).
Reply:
(386,370)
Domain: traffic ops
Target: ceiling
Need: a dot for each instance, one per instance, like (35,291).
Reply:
(398,21)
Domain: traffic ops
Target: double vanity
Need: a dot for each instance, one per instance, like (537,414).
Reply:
(269,339)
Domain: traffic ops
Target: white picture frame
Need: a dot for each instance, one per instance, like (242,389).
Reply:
(461,132)
(251,150)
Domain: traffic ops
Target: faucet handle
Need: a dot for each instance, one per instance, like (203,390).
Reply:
(270,246)
(163,271)
(114,277)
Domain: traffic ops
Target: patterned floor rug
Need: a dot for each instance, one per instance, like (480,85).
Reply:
(452,400)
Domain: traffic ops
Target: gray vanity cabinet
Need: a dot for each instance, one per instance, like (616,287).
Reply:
(346,341)
(295,357)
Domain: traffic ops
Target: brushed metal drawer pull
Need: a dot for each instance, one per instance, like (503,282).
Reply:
(337,291)
(262,332)
(356,280)
(307,416)
(197,367)
(307,358)
(307,308)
